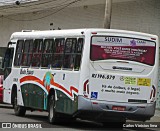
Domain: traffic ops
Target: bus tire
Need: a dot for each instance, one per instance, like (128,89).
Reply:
(18,110)
(52,115)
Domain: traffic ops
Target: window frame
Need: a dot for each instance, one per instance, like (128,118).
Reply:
(48,53)
(38,53)
(28,64)
(20,53)
(52,52)
(60,53)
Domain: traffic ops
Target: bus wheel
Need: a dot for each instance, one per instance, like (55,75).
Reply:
(51,110)
(19,110)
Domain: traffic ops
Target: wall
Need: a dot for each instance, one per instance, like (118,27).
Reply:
(139,15)
(78,17)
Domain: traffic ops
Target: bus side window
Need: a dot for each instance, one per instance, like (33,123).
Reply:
(47,53)
(79,48)
(30,53)
(59,52)
(37,53)
(25,53)
(19,51)
(69,53)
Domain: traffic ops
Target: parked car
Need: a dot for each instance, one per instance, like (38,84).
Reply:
(1,88)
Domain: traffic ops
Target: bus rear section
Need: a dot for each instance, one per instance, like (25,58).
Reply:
(123,76)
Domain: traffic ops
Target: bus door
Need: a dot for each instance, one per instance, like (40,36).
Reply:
(121,69)
(7,67)
(7,63)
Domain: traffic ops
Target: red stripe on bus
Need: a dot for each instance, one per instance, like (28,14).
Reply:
(64,89)
(33,78)
(151,94)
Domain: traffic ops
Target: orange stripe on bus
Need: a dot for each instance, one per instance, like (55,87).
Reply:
(64,89)
(33,78)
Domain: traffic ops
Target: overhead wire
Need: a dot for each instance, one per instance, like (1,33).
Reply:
(58,10)
(45,9)
(59,5)
(28,4)
(34,5)
(5,2)
(13,2)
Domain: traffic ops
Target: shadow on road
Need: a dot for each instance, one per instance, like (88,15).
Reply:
(84,125)
(76,124)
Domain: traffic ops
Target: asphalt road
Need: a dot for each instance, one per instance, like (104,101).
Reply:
(7,115)
(40,118)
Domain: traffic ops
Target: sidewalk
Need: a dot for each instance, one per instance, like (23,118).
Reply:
(147,125)
(156,117)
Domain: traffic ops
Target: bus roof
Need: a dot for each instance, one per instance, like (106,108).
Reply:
(72,32)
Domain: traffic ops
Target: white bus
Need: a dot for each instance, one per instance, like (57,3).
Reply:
(96,74)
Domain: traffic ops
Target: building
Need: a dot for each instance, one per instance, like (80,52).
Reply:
(135,15)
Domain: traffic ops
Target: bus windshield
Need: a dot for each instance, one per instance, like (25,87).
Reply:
(122,48)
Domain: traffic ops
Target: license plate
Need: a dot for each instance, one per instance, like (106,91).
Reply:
(119,108)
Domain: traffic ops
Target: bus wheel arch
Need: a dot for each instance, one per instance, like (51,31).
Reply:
(51,92)
(19,110)
(52,115)
(13,94)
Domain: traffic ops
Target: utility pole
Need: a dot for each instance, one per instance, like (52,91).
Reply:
(108,12)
